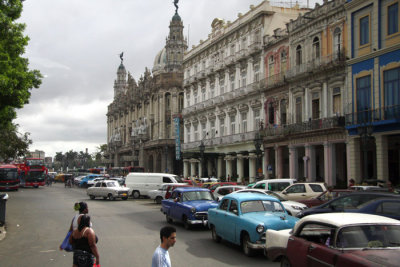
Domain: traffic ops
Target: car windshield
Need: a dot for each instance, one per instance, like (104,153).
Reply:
(197,195)
(273,194)
(260,205)
(113,184)
(369,236)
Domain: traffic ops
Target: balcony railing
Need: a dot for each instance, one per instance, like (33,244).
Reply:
(223,140)
(309,126)
(275,79)
(229,59)
(241,54)
(255,47)
(374,115)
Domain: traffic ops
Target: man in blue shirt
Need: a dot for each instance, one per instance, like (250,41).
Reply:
(161,255)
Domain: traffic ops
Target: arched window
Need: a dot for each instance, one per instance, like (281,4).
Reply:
(299,55)
(316,48)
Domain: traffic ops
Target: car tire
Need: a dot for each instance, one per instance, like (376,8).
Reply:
(111,197)
(125,198)
(169,219)
(135,194)
(249,252)
(285,262)
(214,235)
(158,200)
(92,197)
(186,223)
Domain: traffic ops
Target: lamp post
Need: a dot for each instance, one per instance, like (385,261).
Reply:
(365,131)
(257,145)
(202,148)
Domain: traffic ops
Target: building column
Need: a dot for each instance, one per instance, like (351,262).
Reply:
(252,167)
(324,102)
(278,162)
(228,164)
(239,166)
(237,76)
(382,158)
(293,163)
(266,163)
(192,168)
(309,160)
(185,168)
(219,167)
(200,169)
(209,167)
(329,164)
(353,159)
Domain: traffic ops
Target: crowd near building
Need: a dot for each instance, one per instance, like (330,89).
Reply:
(281,92)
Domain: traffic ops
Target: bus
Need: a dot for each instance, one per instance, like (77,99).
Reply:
(9,179)
(32,172)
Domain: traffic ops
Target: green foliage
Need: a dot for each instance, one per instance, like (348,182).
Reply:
(16,80)
(12,144)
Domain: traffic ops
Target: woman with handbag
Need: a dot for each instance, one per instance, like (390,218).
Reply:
(84,242)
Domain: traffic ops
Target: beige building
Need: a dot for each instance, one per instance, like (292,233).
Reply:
(224,90)
(144,120)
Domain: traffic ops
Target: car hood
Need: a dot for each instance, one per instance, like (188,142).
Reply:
(294,203)
(202,205)
(381,257)
(272,220)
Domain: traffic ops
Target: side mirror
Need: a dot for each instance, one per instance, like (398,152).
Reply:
(235,212)
(284,192)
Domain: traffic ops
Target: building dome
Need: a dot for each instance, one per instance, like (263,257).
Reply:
(121,68)
(176,17)
(160,61)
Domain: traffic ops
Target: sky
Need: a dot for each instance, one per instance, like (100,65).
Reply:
(76,45)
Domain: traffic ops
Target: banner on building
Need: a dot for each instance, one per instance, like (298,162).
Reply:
(177,138)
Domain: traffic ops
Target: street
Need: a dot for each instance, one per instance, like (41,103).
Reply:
(128,231)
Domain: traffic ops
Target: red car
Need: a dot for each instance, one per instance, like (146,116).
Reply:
(324,197)
(337,239)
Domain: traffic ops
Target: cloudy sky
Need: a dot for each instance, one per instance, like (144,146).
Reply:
(75,44)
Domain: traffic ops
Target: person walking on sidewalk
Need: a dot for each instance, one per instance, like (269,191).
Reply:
(161,255)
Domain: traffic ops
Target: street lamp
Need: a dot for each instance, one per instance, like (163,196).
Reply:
(257,143)
(202,148)
(365,131)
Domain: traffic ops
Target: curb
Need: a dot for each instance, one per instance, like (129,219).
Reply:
(2,232)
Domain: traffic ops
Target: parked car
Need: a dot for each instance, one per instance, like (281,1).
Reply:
(337,239)
(388,207)
(160,194)
(224,190)
(218,184)
(243,218)
(78,179)
(188,205)
(346,203)
(276,185)
(120,180)
(108,189)
(300,191)
(292,207)
(83,182)
(208,180)
(368,188)
(325,197)
(90,183)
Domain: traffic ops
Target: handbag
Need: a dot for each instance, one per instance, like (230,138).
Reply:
(65,245)
(83,258)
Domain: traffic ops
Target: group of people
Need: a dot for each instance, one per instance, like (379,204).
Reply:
(84,241)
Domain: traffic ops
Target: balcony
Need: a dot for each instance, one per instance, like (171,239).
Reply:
(241,54)
(126,158)
(229,60)
(275,79)
(224,140)
(304,127)
(255,47)
(201,74)
(218,66)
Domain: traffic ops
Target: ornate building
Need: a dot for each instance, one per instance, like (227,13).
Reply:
(225,93)
(144,120)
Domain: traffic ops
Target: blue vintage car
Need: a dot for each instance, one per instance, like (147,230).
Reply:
(189,205)
(243,218)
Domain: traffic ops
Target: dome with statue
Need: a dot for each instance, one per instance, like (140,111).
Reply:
(160,61)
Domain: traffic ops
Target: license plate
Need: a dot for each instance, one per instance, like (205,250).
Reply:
(124,194)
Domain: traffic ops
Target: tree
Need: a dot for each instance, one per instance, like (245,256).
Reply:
(12,143)
(16,80)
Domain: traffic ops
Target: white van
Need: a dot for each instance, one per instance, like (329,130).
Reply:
(140,183)
(276,185)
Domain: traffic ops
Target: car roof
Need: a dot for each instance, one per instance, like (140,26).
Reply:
(250,196)
(340,219)
(190,189)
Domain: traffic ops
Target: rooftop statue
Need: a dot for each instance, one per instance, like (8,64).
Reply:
(176,5)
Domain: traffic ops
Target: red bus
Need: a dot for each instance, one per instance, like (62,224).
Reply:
(32,172)
(9,179)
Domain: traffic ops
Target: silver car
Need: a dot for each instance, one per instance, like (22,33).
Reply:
(108,189)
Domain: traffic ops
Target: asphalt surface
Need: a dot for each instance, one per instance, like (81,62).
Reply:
(38,219)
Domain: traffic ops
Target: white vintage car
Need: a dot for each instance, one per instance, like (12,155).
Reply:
(108,189)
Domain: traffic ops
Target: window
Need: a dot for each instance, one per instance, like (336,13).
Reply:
(212,129)
(336,101)
(364,30)
(393,19)
(195,97)
(212,91)
(297,188)
(271,113)
(271,66)
(232,80)
(221,86)
(233,207)
(299,115)
(389,208)
(232,49)
(203,131)
(188,134)
(196,132)
(298,55)
(166,180)
(233,124)
(283,56)
(363,87)
(283,112)
(256,73)
(244,122)
(316,48)
(337,41)
(316,188)
(222,127)
(315,106)
(203,94)
(256,119)
(244,74)
(391,84)
(224,204)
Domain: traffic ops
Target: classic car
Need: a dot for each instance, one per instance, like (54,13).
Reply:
(325,197)
(337,239)
(222,191)
(189,205)
(218,184)
(292,207)
(302,191)
(346,203)
(276,185)
(91,183)
(160,194)
(84,181)
(243,218)
(108,189)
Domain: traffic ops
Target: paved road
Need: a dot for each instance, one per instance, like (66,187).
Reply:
(38,219)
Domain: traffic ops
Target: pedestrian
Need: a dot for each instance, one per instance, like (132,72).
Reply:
(161,255)
(84,242)
(329,194)
(351,183)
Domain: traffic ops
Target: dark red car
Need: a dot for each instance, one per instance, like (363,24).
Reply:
(325,197)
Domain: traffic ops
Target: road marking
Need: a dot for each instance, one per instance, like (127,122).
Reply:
(47,251)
